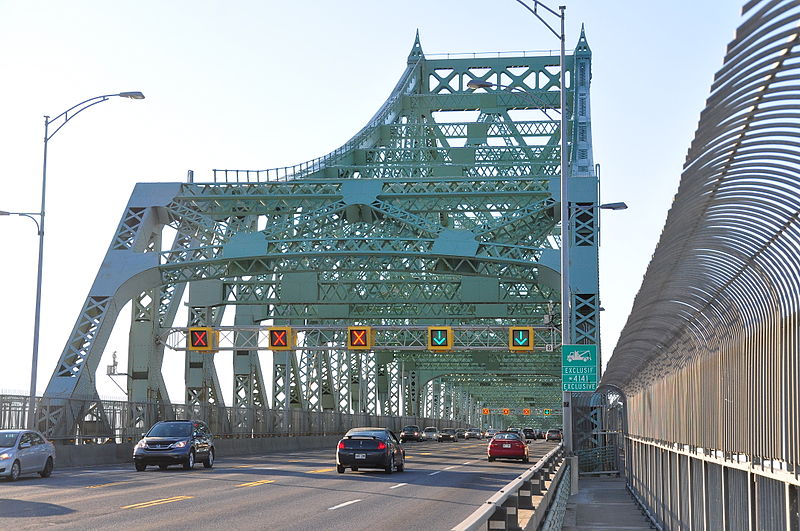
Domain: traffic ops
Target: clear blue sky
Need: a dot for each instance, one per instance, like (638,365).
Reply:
(258,84)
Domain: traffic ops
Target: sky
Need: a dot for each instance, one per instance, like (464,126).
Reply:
(251,84)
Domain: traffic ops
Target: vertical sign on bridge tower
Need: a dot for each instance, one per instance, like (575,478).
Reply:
(579,367)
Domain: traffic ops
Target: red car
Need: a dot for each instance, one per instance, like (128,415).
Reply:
(507,445)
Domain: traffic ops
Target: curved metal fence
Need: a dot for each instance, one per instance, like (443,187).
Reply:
(710,356)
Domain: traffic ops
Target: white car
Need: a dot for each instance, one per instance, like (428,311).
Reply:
(431,433)
(25,452)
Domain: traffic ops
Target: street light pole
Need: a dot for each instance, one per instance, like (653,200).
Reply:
(65,117)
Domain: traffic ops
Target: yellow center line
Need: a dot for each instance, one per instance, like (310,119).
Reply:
(243,466)
(156,502)
(295,461)
(425,453)
(106,485)
(321,470)
(256,483)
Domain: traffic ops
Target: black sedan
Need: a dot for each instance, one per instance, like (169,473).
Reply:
(410,433)
(447,434)
(370,448)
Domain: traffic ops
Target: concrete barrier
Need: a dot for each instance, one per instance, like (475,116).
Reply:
(109,454)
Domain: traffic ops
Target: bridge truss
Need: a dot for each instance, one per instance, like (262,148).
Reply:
(442,210)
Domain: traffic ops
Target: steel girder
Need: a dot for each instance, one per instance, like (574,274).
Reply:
(423,217)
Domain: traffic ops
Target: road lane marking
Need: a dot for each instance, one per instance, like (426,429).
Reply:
(345,504)
(244,466)
(449,468)
(434,473)
(467,463)
(321,470)
(399,485)
(256,483)
(294,461)
(152,503)
(424,453)
(107,484)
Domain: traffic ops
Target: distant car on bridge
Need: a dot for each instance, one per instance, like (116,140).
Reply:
(411,433)
(25,452)
(473,433)
(447,434)
(430,433)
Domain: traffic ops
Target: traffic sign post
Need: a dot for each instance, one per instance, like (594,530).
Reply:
(579,368)
(520,338)
(440,338)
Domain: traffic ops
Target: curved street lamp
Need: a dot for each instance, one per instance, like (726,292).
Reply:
(64,117)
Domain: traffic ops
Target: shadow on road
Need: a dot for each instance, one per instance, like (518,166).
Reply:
(22,509)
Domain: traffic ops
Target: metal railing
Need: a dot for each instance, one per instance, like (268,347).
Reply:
(110,421)
(501,511)
(709,359)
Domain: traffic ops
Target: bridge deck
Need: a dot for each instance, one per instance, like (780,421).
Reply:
(603,503)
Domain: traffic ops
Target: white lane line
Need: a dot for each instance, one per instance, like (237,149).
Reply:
(345,504)
(398,485)
(434,473)
(449,468)
(467,462)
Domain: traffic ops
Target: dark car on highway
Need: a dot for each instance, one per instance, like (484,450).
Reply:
(410,433)
(175,442)
(529,433)
(447,434)
(370,448)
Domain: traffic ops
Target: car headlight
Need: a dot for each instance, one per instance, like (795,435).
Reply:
(179,444)
(141,444)
(5,456)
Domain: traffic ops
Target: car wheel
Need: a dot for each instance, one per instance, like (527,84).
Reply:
(189,463)
(14,471)
(526,460)
(209,462)
(340,469)
(402,466)
(162,467)
(140,467)
(390,467)
(48,468)
(491,459)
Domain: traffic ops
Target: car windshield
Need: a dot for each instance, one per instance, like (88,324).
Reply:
(448,430)
(430,429)
(366,433)
(8,439)
(474,429)
(171,429)
(410,428)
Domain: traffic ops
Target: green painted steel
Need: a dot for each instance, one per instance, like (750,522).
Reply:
(444,209)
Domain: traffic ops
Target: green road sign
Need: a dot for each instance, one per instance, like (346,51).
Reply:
(579,367)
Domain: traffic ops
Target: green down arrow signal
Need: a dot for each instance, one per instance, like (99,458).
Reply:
(522,338)
(440,338)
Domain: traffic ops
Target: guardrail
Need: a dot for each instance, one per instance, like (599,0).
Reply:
(527,492)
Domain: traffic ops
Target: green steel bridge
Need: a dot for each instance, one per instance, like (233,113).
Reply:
(444,210)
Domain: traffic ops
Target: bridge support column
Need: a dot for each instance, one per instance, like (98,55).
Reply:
(249,398)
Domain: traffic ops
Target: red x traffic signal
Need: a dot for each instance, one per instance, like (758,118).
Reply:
(203,338)
(281,338)
(359,337)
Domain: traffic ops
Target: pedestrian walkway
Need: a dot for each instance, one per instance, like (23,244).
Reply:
(603,503)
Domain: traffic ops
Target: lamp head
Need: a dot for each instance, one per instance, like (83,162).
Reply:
(614,206)
(131,95)
(476,84)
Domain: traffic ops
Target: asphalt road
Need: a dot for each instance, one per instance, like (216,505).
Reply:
(442,485)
